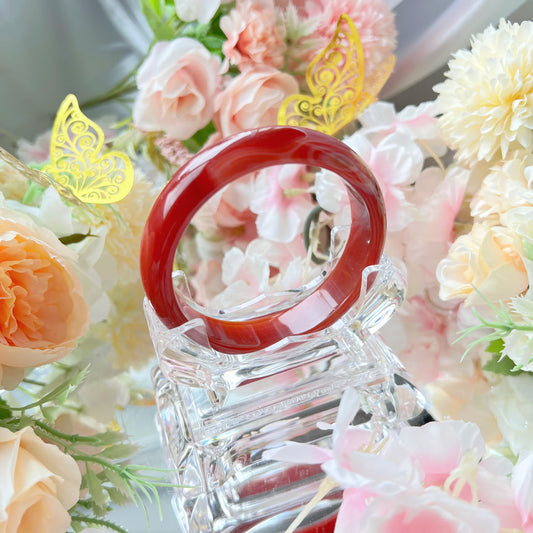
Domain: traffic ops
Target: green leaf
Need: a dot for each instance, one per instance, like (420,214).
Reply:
(163,29)
(501,365)
(5,411)
(33,193)
(95,489)
(50,412)
(495,346)
(212,43)
(110,437)
(118,482)
(76,237)
(117,496)
(528,248)
(119,451)
(196,142)
(61,392)
(157,6)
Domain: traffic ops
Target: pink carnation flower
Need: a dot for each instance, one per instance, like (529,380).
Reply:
(373,19)
(254,37)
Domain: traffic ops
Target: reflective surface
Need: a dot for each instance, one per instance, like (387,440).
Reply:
(219,412)
(218,165)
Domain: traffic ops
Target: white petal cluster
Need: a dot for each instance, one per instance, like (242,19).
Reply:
(487,100)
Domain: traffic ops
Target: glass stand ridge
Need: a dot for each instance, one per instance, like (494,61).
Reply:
(218,413)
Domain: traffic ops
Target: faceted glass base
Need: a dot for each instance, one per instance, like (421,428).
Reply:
(219,413)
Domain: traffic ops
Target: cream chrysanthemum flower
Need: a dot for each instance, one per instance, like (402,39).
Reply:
(126,224)
(508,185)
(129,333)
(487,102)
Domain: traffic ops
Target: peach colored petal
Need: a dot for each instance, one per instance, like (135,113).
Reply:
(42,309)
(39,484)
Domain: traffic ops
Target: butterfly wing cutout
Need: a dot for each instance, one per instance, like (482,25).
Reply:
(336,81)
(76,163)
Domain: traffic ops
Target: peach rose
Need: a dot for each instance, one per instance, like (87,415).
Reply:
(42,309)
(485,258)
(252,100)
(253,35)
(177,85)
(39,484)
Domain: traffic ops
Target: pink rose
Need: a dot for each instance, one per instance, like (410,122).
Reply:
(252,100)
(253,35)
(39,484)
(42,309)
(177,85)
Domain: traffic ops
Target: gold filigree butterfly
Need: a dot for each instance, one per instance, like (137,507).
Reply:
(337,83)
(76,162)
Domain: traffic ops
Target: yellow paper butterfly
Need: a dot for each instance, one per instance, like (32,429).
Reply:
(336,80)
(76,163)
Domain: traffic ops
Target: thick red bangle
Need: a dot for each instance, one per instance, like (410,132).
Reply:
(217,166)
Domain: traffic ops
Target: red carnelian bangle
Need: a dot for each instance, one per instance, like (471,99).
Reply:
(218,165)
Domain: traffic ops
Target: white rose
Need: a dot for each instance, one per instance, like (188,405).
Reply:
(485,259)
(512,405)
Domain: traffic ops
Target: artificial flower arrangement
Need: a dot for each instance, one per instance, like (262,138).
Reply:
(455,175)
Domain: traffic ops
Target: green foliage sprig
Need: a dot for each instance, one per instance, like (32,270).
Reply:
(500,327)
(107,476)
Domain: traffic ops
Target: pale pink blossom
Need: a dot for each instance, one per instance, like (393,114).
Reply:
(422,511)
(419,335)
(177,86)
(246,276)
(428,237)
(207,281)
(288,267)
(37,151)
(254,35)
(396,161)
(332,196)
(252,100)
(417,122)
(522,484)
(352,461)
(233,209)
(281,201)
(440,447)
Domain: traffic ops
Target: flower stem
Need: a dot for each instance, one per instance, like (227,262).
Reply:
(81,519)
(126,85)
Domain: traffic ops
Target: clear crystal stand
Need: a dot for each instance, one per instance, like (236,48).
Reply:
(218,412)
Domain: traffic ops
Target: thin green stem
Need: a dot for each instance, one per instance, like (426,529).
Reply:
(89,520)
(33,382)
(72,439)
(123,86)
